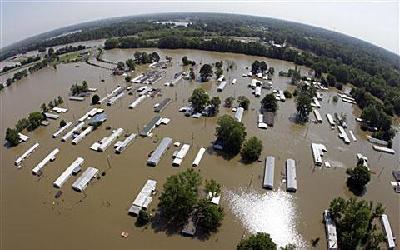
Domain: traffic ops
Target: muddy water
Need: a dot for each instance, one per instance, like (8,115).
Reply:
(31,218)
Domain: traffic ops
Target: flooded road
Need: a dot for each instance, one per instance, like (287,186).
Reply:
(32,218)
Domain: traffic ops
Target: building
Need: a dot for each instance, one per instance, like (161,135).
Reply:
(122,145)
(162,105)
(269,118)
(150,126)
(180,155)
(388,231)
(143,199)
(62,129)
(82,182)
(198,158)
(67,173)
(268,181)
(331,232)
(221,86)
(50,157)
(239,114)
(160,150)
(26,155)
(291,177)
(190,228)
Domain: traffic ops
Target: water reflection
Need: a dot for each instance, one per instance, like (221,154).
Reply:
(271,212)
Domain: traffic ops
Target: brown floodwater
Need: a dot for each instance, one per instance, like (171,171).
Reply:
(31,218)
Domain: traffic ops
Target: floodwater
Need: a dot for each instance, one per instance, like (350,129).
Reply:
(31,218)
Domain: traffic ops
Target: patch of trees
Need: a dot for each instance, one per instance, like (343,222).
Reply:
(303,102)
(182,195)
(375,116)
(355,223)
(29,59)
(200,101)
(144,57)
(54,103)
(76,89)
(251,150)
(258,67)
(30,123)
(186,61)
(205,72)
(269,103)
(68,49)
(37,66)
(358,178)
(232,134)
(95,99)
(243,102)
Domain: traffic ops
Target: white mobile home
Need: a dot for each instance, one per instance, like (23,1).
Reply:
(291,177)
(26,154)
(160,150)
(239,114)
(268,181)
(82,182)
(67,173)
(62,129)
(198,158)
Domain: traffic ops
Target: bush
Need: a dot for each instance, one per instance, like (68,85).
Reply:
(260,241)
(294,93)
(244,102)
(251,150)
(95,99)
(62,123)
(211,215)
(143,218)
(287,94)
(269,103)
(128,78)
(232,133)
(12,136)
(358,178)
(335,99)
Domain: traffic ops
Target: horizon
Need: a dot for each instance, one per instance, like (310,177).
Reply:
(381,27)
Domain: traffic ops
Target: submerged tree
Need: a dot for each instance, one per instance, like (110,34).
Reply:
(199,99)
(259,241)
(232,133)
(205,72)
(251,150)
(269,103)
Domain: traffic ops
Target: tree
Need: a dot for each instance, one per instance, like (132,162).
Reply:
(120,65)
(179,196)
(213,187)
(128,79)
(210,216)
(60,100)
(192,75)
(35,118)
(199,99)
(304,107)
(219,72)
(251,150)
(185,61)
(269,103)
(22,124)
(358,178)
(95,99)
(260,241)
(130,63)
(271,71)
(155,57)
(287,94)
(215,102)
(50,104)
(244,102)
(62,123)
(228,102)
(232,133)
(12,136)
(205,72)
(352,218)
(43,107)
(331,80)
(143,218)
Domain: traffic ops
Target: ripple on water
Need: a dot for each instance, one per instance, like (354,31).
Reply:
(271,212)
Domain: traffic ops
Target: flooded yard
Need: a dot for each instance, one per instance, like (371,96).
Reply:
(32,217)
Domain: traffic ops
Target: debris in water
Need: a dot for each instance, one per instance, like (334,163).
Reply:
(124,234)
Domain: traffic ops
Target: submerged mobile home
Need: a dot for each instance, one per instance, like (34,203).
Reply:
(160,150)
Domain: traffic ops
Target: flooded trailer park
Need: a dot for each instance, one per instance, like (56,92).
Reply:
(94,219)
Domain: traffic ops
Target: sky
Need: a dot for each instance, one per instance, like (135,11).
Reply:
(372,21)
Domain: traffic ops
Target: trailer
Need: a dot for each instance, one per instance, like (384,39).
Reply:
(291,177)
(67,173)
(82,182)
(269,167)
(74,130)
(82,135)
(50,157)
(61,130)
(25,155)
(331,232)
(102,145)
(198,158)
(239,114)
(143,199)
(221,86)
(122,145)
(155,157)
(180,155)
(317,116)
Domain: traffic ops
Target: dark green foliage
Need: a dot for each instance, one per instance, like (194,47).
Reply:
(358,178)
(68,49)
(120,65)
(218,72)
(35,118)
(339,86)
(215,102)
(205,72)
(12,136)
(287,94)
(143,218)
(244,102)
(43,107)
(186,62)
(258,67)
(210,216)
(144,57)
(259,241)
(232,133)
(62,123)
(213,187)
(77,89)
(128,78)
(199,99)
(95,99)
(331,80)
(130,63)
(303,102)
(228,102)
(22,124)
(251,150)
(353,219)
(179,196)
(269,103)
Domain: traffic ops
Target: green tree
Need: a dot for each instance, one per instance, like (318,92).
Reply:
(209,215)
(303,105)
(179,196)
(259,241)
(352,218)
(192,75)
(358,178)
(185,61)
(128,78)
(121,65)
(331,80)
(232,134)
(205,72)
(269,103)
(60,100)
(228,102)
(251,150)
(22,124)
(219,72)
(215,102)
(287,94)
(143,218)
(244,102)
(62,123)
(130,63)
(35,118)
(43,107)
(199,99)
(213,187)
(12,136)
(95,99)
